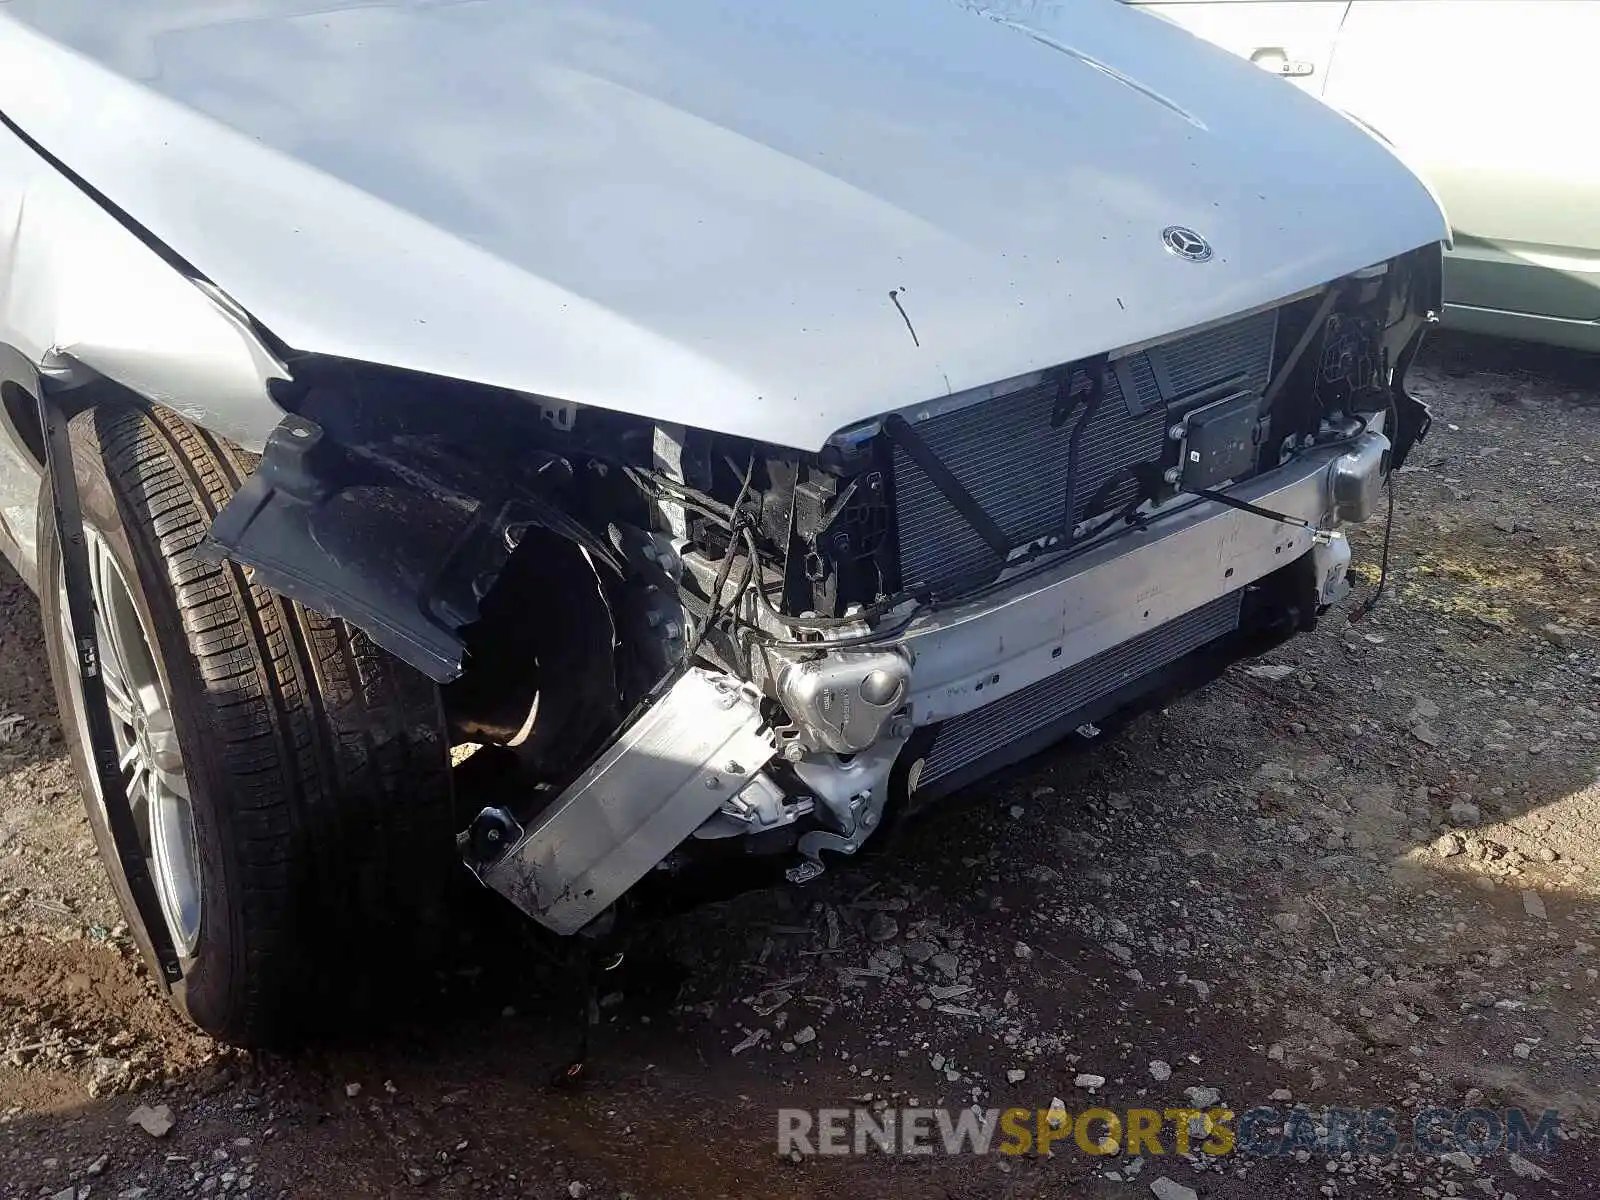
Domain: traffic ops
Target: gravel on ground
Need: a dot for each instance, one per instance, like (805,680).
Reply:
(1362,871)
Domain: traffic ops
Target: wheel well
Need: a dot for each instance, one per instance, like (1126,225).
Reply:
(22,418)
(19,404)
(545,643)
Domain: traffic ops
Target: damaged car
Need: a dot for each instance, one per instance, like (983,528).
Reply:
(755,422)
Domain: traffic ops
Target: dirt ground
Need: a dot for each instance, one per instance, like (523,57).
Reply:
(1363,871)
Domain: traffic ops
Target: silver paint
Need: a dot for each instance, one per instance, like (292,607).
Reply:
(693,211)
(80,296)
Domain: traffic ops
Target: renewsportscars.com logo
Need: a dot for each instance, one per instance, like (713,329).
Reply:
(1263,1131)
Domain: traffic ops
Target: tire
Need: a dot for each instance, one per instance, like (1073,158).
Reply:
(316,766)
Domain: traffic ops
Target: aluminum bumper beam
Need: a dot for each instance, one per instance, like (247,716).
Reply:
(974,653)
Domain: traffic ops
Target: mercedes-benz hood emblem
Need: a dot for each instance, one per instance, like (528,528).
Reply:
(1186,243)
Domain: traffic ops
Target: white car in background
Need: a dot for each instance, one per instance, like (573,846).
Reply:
(1491,101)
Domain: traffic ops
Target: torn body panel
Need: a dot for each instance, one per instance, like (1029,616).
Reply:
(395,501)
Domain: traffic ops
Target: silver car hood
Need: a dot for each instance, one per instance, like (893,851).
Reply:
(772,220)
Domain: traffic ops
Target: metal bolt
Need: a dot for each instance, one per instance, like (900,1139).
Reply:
(712,783)
(1171,474)
(880,687)
(492,837)
(794,751)
(733,768)
(1176,433)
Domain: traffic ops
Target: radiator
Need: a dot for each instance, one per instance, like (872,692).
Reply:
(964,740)
(1012,453)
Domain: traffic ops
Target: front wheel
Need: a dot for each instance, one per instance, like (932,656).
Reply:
(289,781)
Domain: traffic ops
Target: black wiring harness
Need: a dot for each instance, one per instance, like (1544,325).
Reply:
(1372,601)
(739,522)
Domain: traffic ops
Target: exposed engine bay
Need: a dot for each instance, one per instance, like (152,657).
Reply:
(699,646)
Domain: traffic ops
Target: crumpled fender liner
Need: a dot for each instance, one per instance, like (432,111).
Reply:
(371,551)
(1423,275)
(372,517)
(1413,418)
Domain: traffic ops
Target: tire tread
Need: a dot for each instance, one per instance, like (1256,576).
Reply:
(337,809)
